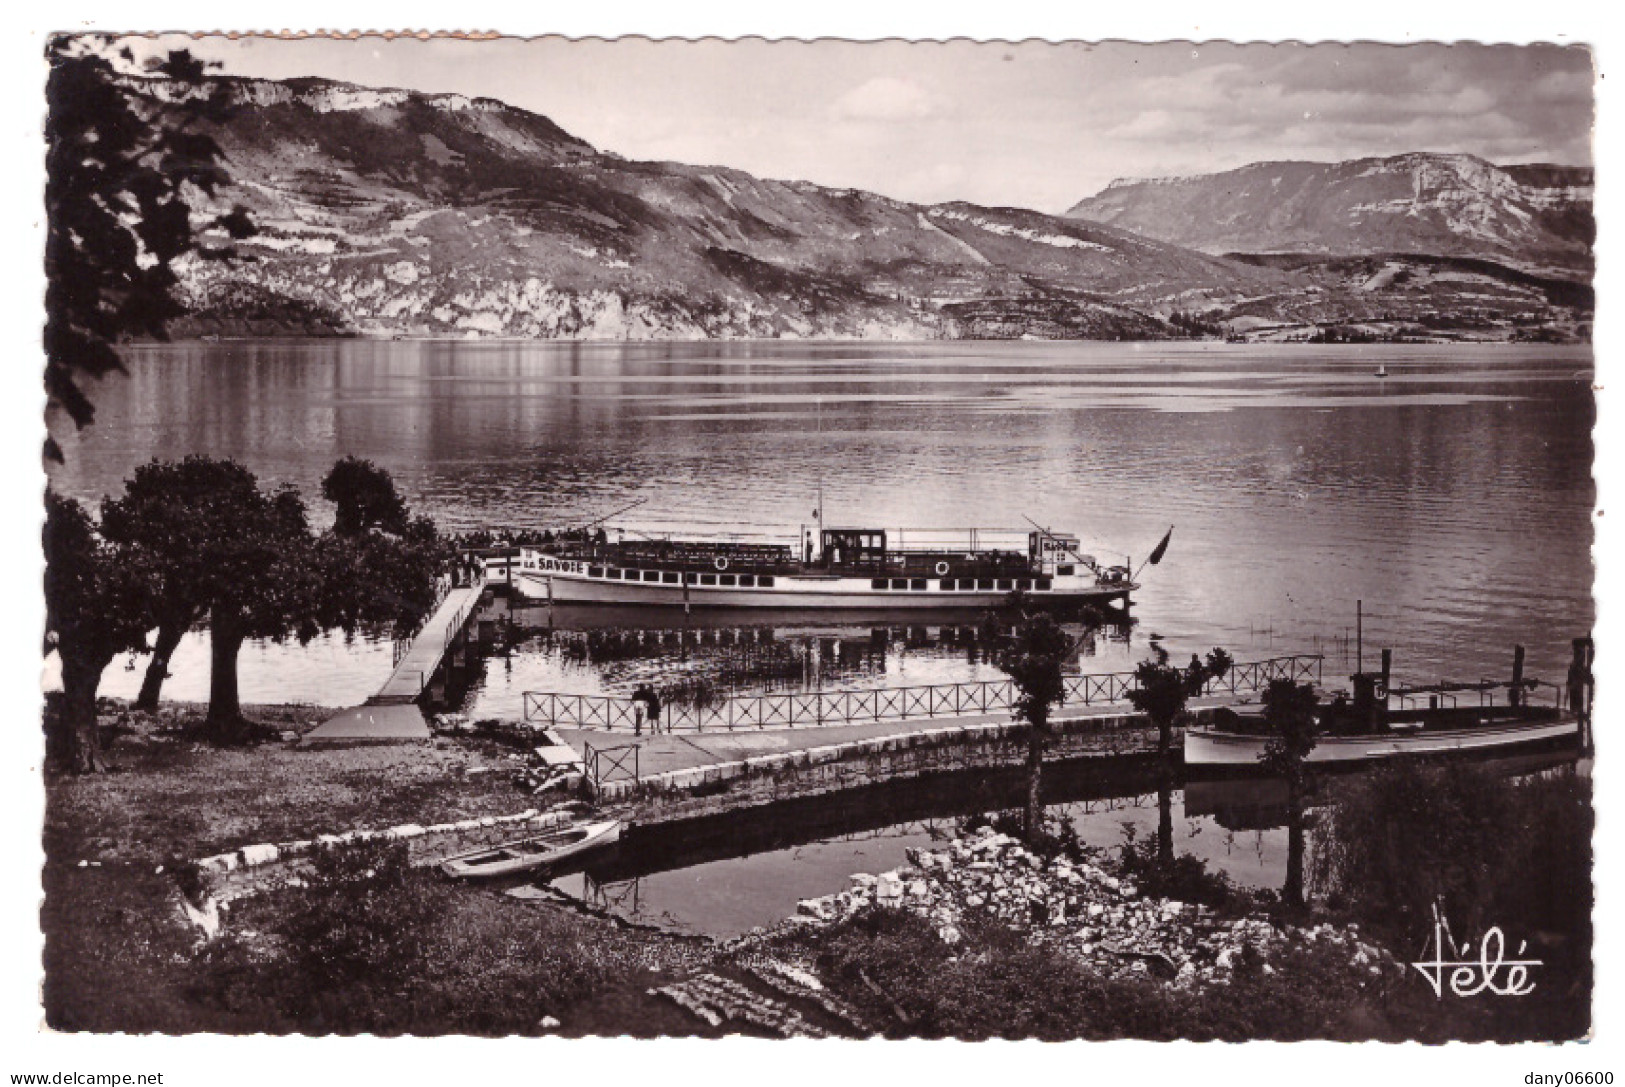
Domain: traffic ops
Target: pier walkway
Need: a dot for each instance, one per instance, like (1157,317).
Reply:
(417,664)
(392,713)
(618,757)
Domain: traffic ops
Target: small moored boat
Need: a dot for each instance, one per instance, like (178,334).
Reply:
(528,854)
(1427,720)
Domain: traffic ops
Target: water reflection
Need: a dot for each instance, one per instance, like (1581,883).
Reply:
(710,655)
(728,874)
(1455,498)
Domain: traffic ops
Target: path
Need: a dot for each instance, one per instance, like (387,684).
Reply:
(392,715)
(659,754)
(412,673)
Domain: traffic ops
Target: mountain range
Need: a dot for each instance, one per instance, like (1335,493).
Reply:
(399,213)
(1536,217)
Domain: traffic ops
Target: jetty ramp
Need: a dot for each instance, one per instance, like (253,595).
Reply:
(392,714)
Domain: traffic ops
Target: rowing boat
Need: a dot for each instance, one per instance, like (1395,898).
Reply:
(528,854)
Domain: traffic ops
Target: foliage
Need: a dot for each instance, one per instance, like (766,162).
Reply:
(356,920)
(365,497)
(371,944)
(222,546)
(1489,849)
(1032,657)
(375,580)
(1289,716)
(97,604)
(1185,878)
(1292,732)
(995,983)
(119,169)
(1161,691)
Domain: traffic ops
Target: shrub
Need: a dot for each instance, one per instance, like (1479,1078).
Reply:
(1490,849)
(1186,878)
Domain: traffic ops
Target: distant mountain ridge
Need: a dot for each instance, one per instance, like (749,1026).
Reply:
(390,212)
(1537,216)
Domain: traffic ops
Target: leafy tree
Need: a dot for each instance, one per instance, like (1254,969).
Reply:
(1161,692)
(1289,714)
(366,498)
(96,606)
(119,169)
(221,547)
(378,580)
(170,513)
(1032,658)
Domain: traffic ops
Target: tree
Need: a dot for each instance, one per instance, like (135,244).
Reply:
(1161,692)
(119,169)
(221,547)
(378,580)
(96,606)
(170,513)
(1289,715)
(1032,658)
(366,498)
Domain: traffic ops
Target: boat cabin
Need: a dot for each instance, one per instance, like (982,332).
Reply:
(849,549)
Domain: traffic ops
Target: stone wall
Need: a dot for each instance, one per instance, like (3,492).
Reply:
(764,779)
(256,868)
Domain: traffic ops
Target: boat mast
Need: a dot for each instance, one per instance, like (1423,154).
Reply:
(818,455)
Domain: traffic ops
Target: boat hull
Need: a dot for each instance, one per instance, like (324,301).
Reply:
(793,593)
(512,858)
(1216,748)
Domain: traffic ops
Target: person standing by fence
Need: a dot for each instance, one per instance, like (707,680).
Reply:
(647,708)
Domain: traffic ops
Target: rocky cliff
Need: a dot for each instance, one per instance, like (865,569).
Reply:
(1536,217)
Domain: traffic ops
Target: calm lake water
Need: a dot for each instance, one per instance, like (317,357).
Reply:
(1453,497)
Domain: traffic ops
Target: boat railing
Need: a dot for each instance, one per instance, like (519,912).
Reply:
(811,709)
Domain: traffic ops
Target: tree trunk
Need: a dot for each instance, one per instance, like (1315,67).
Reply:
(1165,793)
(1292,894)
(169,637)
(81,678)
(225,717)
(1033,822)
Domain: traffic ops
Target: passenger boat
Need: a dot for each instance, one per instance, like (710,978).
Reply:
(850,568)
(529,854)
(1428,720)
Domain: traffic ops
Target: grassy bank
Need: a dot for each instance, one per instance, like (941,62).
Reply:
(961,949)
(121,956)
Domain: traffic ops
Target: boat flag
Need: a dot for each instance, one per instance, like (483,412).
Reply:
(1161,548)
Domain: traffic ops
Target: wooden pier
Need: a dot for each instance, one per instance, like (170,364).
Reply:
(392,714)
(425,652)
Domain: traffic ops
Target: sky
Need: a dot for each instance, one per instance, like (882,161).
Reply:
(1033,125)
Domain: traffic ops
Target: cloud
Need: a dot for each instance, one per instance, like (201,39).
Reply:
(886,98)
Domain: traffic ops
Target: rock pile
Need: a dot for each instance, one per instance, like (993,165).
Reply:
(1082,908)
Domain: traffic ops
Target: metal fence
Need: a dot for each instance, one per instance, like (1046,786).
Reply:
(811,709)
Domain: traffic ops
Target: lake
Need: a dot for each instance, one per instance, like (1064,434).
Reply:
(1454,497)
